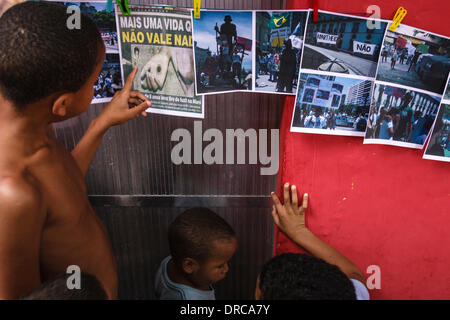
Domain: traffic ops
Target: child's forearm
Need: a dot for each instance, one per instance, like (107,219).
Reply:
(320,249)
(86,148)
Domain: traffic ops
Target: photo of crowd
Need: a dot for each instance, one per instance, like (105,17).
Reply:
(279,38)
(400,116)
(342,44)
(223,51)
(415,58)
(439,145)
(109,81)
(331,105)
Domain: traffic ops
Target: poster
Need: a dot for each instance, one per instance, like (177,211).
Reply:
(338,69)
(411,76)
(279,43)
(223,45)
(109,81)
(158,40)
(438,147)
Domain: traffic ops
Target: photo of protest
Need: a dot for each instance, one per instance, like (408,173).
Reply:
(110,80)
(159,43)
(104,20)
(439,145)
(401,117)
(223,51)
(415,58)
(331,105)
(342,44)
(279,43)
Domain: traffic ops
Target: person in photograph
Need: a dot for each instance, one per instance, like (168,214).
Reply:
(384,54)
(404,118)
(414,59)
(228,30)
(394,58)
(372,122)
(288,61)
(436,145)
(315,119)
(236,66)
(386,125)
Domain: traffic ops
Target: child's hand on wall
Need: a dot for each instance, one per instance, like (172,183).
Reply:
(289,217)
(118,110)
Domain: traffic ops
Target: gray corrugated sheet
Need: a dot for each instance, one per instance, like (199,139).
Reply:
(134,160)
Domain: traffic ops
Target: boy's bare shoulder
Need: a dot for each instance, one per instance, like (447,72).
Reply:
(19,195)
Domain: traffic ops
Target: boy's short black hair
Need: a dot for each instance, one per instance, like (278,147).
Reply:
(40,55)
(193,232)
(292,276)
(56,289)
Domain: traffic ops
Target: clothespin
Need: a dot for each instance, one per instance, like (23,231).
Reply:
(316,10)
(399,15)
(123,5)
(197,5)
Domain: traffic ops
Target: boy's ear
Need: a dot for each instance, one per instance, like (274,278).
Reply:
(189,265)
(61,104)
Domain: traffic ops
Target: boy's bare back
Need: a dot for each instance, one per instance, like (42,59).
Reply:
(47,219)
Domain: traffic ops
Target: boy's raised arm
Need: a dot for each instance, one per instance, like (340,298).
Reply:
(22,215)
(116,112)
(290,218)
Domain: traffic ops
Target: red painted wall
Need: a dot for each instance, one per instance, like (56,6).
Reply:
(378,205)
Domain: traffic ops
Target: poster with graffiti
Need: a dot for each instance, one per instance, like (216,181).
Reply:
(158,40)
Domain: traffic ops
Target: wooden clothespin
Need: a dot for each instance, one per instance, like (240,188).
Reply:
(197,5)
(315,10)
(123,5)
(398,17)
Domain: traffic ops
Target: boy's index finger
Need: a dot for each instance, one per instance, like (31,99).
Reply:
(130,78)
(305,201)
(276,202)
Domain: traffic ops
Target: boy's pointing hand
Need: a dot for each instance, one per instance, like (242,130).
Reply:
(126,104)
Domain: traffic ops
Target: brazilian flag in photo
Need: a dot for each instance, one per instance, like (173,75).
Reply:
(278,21)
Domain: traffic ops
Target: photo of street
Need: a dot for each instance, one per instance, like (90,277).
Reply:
(331,105)
(279,45)
(415,58)
(342,44)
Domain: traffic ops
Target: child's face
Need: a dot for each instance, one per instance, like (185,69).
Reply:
(215,267)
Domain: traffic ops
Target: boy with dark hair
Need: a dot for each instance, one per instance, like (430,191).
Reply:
(327,274)
(201,244)
(57,289)
(47,74)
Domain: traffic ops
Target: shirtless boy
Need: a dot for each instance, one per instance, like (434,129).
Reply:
(47,73)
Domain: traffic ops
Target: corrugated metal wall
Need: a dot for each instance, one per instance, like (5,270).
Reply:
(137,191)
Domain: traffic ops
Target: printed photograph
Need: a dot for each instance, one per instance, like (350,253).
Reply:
(331,105)
(279,44)
(415,58)
(104,20)
(400,116)
(342,44)
(110,80)
(439,145)
(223,51)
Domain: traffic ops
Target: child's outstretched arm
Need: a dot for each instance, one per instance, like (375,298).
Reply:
(290,218)
(116,112)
